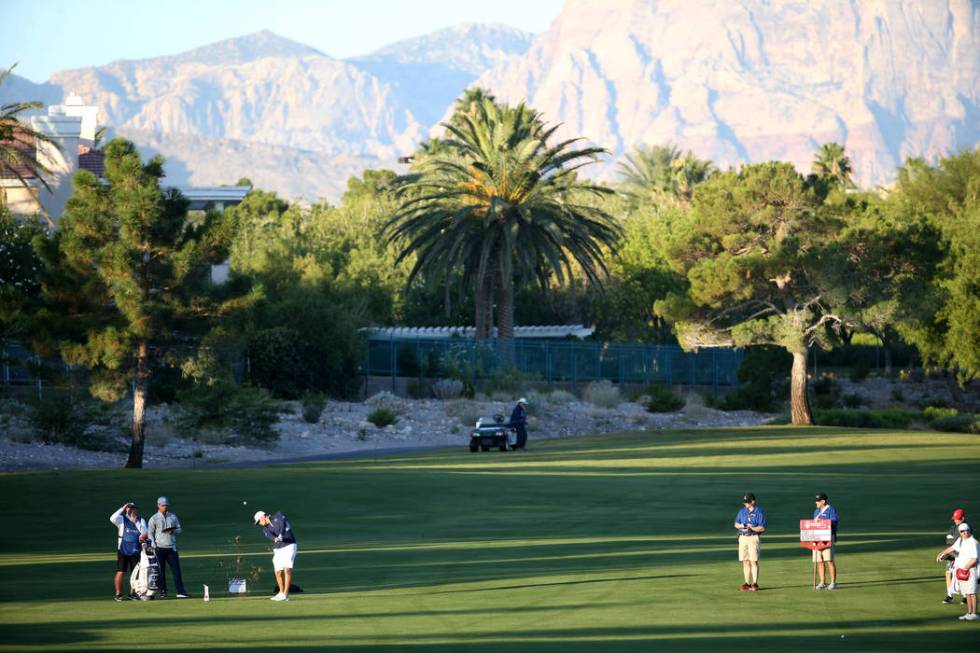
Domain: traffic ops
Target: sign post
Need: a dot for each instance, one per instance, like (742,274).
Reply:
(815,535)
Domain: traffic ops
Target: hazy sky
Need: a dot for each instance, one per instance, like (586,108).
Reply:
(49,35)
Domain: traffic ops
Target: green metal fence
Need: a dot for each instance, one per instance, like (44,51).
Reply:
(552,360)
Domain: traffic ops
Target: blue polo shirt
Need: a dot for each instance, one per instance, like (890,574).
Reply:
(754,518)
(829,512)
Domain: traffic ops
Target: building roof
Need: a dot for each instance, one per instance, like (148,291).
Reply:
(26,144)
(92,160)
(439,333)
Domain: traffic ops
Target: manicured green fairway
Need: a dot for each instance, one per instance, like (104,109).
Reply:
(601,544)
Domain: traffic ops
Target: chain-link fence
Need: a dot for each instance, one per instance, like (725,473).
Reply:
(553,361)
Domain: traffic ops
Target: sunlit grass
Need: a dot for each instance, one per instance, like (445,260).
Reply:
(618,543)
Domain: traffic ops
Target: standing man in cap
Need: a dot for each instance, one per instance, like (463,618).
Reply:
(131,526)
(826,556)
(750,524)
(518,421)
(965,569)
(952,537)
(278,529)
(164,526)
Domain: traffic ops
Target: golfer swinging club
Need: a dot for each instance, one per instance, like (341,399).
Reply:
(278,529)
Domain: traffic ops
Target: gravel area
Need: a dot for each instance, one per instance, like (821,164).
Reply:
(342,427)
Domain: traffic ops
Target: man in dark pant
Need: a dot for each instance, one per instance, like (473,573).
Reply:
(518,421)
(163,529)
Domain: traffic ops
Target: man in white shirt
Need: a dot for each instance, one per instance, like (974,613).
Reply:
(965,565)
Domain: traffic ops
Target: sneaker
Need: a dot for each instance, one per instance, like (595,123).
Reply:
(278,597)
(118,597)
(285,598)
(832,586)
(161,595)
(948,600)
(821,586)
(754,588)
(743,587)
(971,617)
(181,595)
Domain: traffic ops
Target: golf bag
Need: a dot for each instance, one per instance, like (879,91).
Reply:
(145,579)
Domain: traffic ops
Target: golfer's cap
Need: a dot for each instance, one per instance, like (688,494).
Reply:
(163,501)
(748,498)
(821,496)
(259,515)
(965,528)
(522,400)
(959,514)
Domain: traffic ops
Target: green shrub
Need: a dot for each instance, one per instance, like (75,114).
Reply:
(962,423)
(62,418)
(602,394)
(936,412)
(859,373)
(448,389)
(897,395)
(313,405)
(382,417)
(826,392)
(511,381)
(661,399)
(388,401)
(763,373)
(561,397)
(307,341)
(853,400)
(249,411)
(872,419)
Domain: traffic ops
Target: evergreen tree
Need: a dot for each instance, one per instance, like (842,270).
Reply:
(127,275)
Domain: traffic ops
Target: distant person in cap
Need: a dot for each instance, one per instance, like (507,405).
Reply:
(163,528)
(826,556)
(952,537)
(750,524)
(278,529)
(518,421)
(130,526)
(965,569)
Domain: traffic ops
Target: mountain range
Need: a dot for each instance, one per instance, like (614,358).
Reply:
(733,80)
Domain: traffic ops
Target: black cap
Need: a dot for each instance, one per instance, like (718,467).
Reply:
(748,498)
(821,496)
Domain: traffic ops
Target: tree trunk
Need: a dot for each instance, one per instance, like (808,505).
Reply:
(505,300)
(483,299)
(886,350)
(139,405)
(799,401)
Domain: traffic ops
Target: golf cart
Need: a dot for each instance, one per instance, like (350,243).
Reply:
(492,432)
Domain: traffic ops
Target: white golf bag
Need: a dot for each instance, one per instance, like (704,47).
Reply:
(145,579)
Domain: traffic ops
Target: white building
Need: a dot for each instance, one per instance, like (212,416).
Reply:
(72,126)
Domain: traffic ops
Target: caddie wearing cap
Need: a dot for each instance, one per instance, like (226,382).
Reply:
(952,537)
(750,524)
(163,528)
(278,529)
(825,557)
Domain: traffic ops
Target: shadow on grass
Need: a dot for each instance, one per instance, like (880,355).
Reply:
(286,632)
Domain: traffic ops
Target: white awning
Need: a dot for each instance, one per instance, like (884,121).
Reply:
(556,331)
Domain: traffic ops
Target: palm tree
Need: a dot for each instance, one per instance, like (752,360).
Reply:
(497,203)
(18,143)
(832,163)
(663,173)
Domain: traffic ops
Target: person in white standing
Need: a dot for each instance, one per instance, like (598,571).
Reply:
(278,529)
(965,569)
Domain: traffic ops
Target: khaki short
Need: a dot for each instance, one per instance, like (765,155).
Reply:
(968,586)
(824,555)
(748,548)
